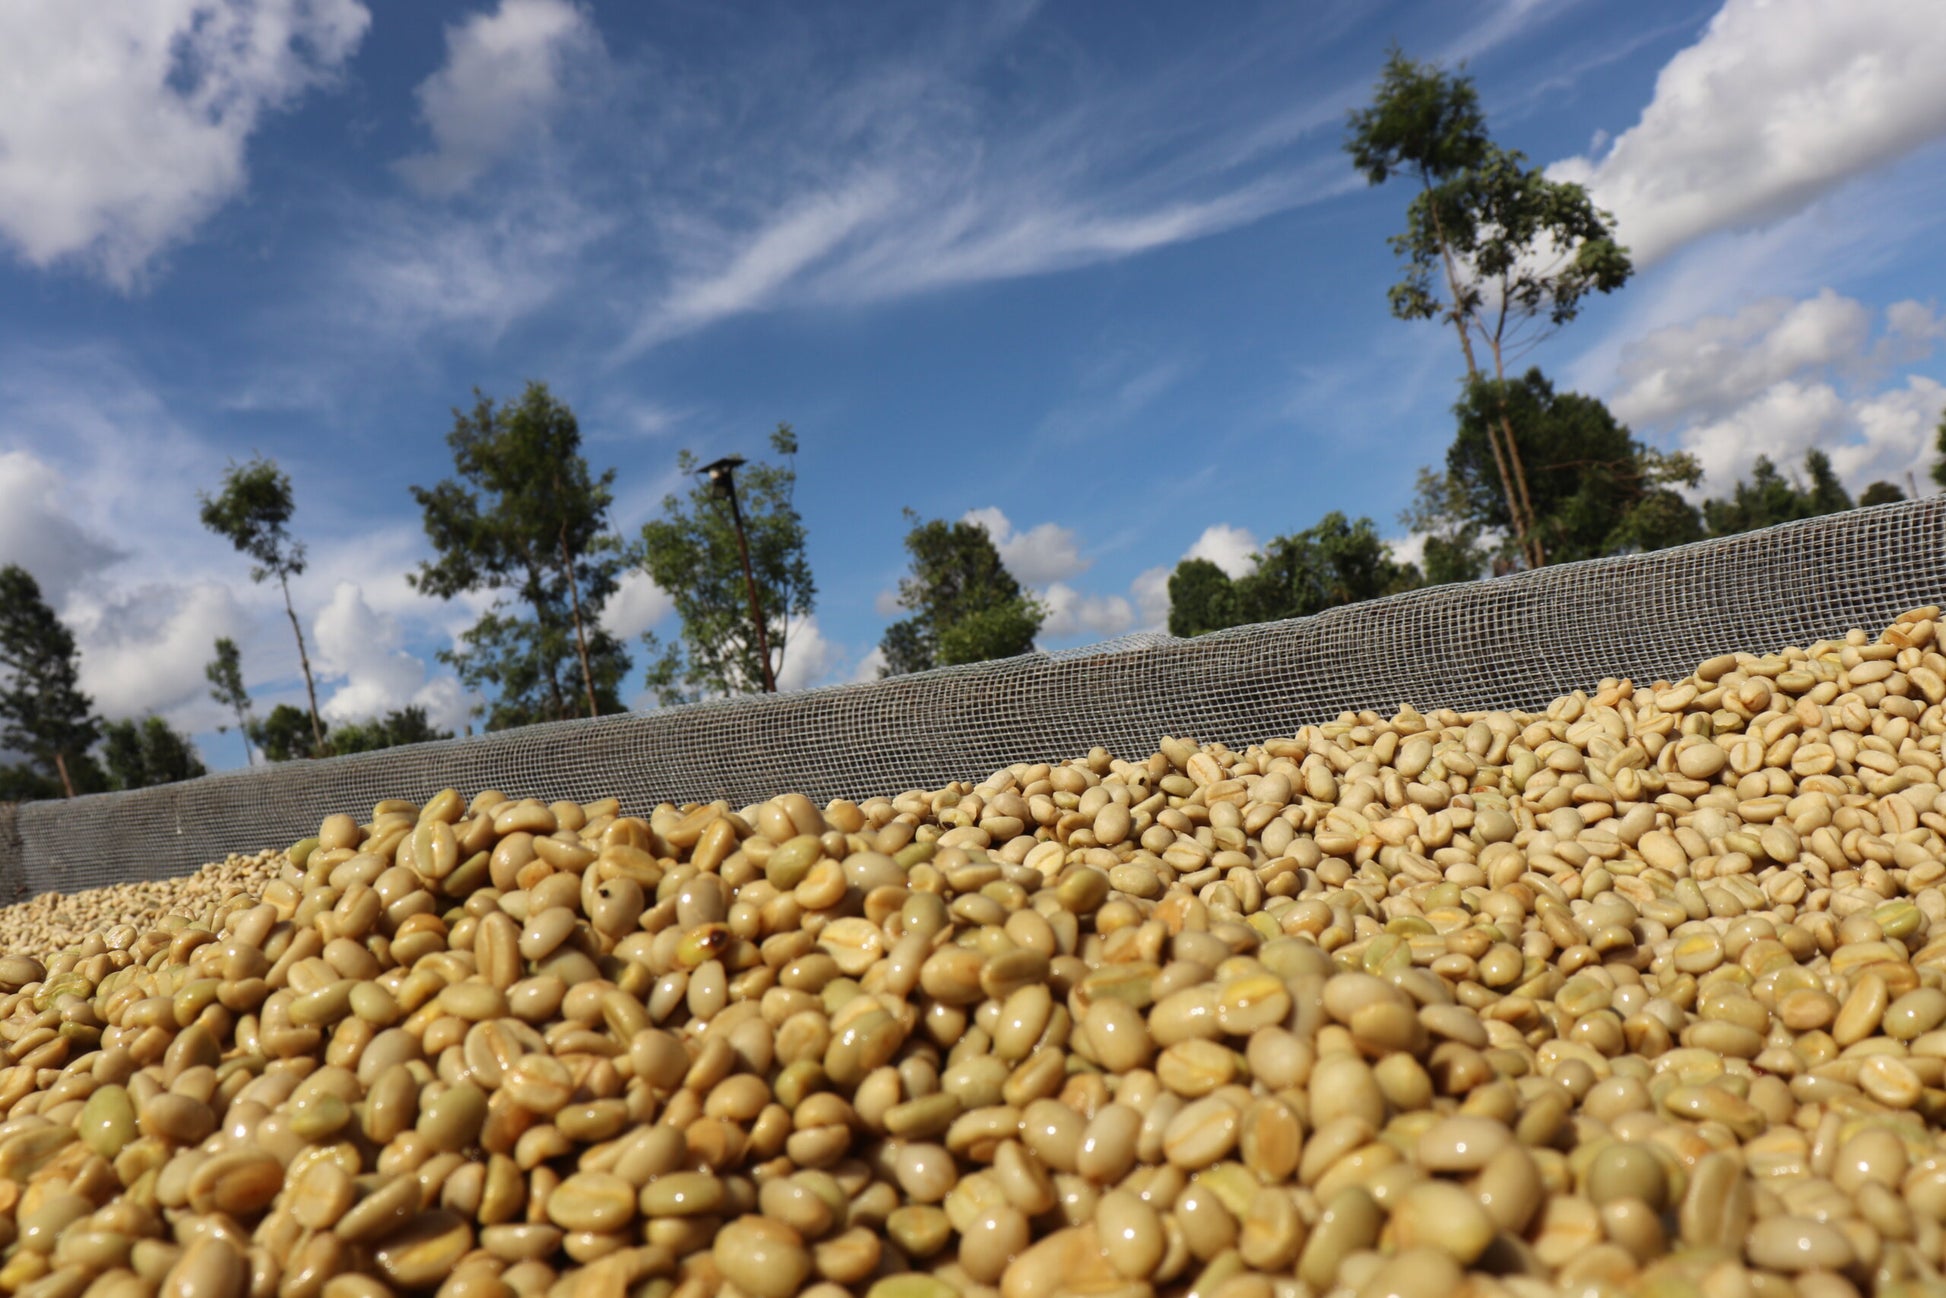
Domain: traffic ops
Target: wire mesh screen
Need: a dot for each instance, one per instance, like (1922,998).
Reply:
(1513,642)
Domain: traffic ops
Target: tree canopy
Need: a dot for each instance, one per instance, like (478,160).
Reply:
(966,607)
(1337,561)
(1595,488)
(43,712)
(285,735)
(253,510)
(145,753)
(690,551)
(407,725)
(526,518)
(1768,496)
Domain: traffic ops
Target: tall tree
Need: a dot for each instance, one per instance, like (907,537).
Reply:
(225,675)
(1939,449)
(285,735)
(1595,489)
(1491,245)
(43,712)
(254,511)
(966,607)
(1769,497)
(1881,493)
(1335,562)
(691,552)
(526,518)
(142,754)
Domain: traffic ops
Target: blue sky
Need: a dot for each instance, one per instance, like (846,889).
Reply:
(1099,275)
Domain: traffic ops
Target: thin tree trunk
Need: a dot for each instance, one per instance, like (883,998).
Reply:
(61,765)
(1515,514)
(243,728)
(304,658)
(1536,553)
(580,634)
(536,596)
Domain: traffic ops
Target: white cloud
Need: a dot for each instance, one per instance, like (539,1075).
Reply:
(505,73)
(1784,422)
(801,235)
(1044,553)
(143,648)
(1150,590)
(40,533)
(886,604)
(1233,549)
(637,605)
(809,658)
(1776,104)
(1716,362)
(1781,377)
(1069,612)
(126,124)
(869,666)
(403,270)
(361,646)
(1894,436)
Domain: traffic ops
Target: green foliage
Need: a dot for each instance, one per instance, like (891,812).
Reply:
(526,518)
(142,754)
(1595,489)
(253,510)
(1491,246)
(406,725)
(1336,562)
(285,734)
(966,607)
(1201,598)
(691,552)
(1939,448)
(20,782)
(1881,493)
(1768,497)
(43,713)
(225,675)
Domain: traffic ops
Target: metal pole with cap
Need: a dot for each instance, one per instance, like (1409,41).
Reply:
(722,476)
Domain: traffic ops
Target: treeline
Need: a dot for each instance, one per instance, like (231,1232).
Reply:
(1491,247)
(1504,256)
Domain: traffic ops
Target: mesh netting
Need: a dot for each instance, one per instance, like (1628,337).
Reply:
(1513,642)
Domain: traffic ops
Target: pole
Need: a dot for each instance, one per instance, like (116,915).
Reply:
(750,582)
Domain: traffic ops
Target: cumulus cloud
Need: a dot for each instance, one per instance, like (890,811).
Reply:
(1044,553)
(143,649)
(869,666)
(1233,549)
(1781,377)
(637,605)
(361,647)
(1069,612)
(1714,363)
(126,124)
(1777,103)
(809,658)
(40,534)
(505,73)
